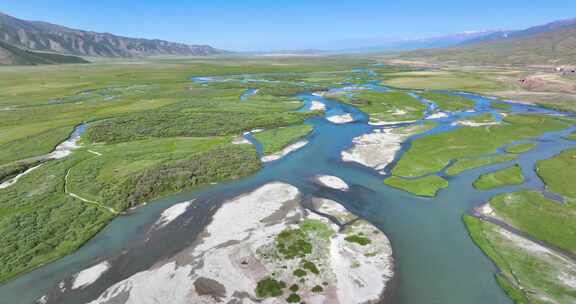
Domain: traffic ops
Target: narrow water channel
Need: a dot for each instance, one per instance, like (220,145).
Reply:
(436,261)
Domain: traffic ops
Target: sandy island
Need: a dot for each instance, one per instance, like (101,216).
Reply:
(172,213)
(378,149)
(332,182)
(317,106)
(341,119)
(274,242)
(90,275)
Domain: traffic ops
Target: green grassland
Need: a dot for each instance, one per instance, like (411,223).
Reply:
(390,106)
(552,89)
(449,79)
(424,186)
(151,132)
(274,140)
(39,105)
(527,276)
(386,106)
(559,173)
(447,102)
(432,153)
(501,178)
(530,274)
(520,148)
(464,164)
(538,216)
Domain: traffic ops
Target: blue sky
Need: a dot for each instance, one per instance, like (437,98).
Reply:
(294,24)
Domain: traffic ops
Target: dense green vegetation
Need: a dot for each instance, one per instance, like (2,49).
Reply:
(215,118)
(559,173)
(432,153)
(423,186)
(131,173)
(10,170)
(464,164)
(293,243)
(275,140)
(520,148)
(30,146)
(386,106)
(293,298)
(40,223)
(269,288)
(505,177)
(39,103)
(447,102)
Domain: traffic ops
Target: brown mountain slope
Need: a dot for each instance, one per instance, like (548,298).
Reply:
(551,44)
(46,37)
(11,55)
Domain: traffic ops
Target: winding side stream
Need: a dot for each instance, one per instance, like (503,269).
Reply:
(436,261)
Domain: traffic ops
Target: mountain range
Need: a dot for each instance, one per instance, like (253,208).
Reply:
(549,44)
(36,42)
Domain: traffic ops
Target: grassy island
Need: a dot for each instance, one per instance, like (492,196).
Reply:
(505,177)
(274,140)
(424,186)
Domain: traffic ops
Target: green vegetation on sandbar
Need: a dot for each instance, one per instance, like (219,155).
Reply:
(505,177)
(293,298)
(447,102)
(358,239)
(275,140)
(432,153)
(316,228)
(269,287)
(423,186)
(386,106)
(572,136)
(527,274)
(293,243)
(465,164)
(521,148)
(559,173)
(542,218)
